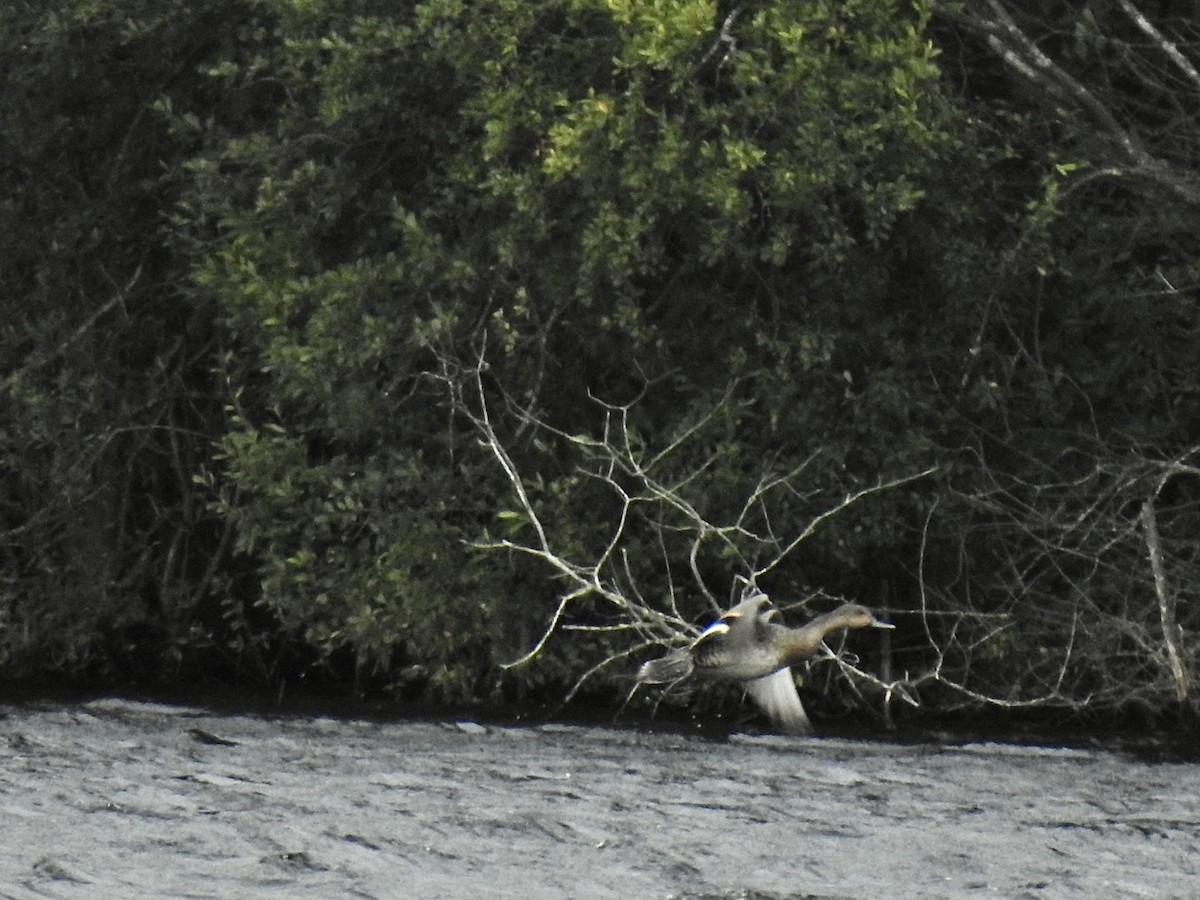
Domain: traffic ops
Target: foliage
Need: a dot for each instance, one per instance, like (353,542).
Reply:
(1082,371)
(627,200)
(106,549)
(272,261)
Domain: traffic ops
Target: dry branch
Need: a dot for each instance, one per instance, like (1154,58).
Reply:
(1138,150)
(651,493)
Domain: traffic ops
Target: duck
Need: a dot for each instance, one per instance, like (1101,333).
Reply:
(746,646)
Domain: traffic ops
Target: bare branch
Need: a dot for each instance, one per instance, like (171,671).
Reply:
(1060,89)
(847,501)
(1167,46)
(1166,600)
(656,491)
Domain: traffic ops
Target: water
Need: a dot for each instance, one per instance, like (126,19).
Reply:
(121,799)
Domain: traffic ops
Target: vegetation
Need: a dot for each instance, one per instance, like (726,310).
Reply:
(405,342)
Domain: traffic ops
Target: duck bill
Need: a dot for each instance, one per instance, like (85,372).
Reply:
(878,624)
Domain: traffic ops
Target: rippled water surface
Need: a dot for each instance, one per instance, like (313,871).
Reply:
(121,799)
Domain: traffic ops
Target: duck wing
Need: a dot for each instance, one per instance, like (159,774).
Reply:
(708,649)
(711,650)
(735,647)
(775,695)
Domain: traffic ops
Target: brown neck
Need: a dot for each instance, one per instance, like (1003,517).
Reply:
(803,643)
(799,644)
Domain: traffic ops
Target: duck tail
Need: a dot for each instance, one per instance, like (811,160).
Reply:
(675,665)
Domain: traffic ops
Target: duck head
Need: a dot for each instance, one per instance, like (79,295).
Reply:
(857,616)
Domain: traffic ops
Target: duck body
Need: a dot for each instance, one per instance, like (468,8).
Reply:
(742,645)
(746,646)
